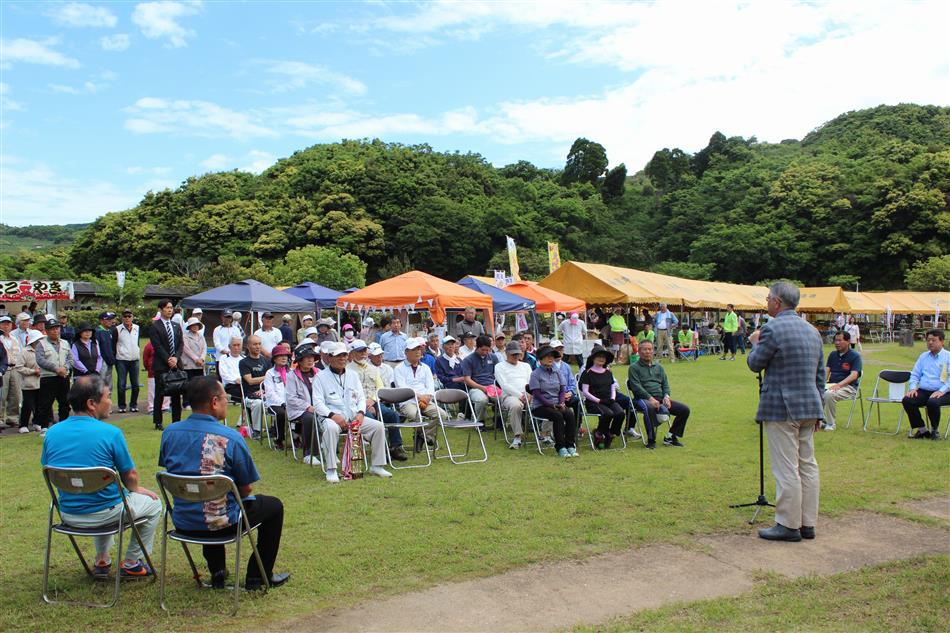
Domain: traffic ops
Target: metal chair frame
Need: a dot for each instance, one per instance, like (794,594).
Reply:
(858,397)
(88,481)
(203,488)
(892,376)
(396,397)
(316,434)
(535,422)
(457,396)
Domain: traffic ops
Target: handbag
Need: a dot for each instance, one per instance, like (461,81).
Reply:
(173,382)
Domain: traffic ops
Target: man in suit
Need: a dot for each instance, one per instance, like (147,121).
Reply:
(166,339)
(789,349)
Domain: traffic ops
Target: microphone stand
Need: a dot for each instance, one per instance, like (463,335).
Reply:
(761,502)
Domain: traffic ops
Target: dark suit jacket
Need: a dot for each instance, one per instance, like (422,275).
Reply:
(163,347)
(790,352)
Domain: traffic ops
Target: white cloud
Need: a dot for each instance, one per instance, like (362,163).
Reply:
(32,193)
(259,161)
(33,52)
(292,75)
(160,20)
(151,115)
(79,14)
(88,87)
(216,162)
(6,103)
(115,43)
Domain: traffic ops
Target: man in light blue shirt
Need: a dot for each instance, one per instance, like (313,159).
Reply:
(83,440)
(393,343)
(929,386)
(665,322)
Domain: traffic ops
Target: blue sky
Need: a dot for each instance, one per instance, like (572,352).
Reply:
(101,102)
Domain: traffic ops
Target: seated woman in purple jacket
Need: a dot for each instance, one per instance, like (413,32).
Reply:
(86,357)
(548,401)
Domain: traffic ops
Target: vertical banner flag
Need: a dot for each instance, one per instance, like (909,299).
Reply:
(513,259)
(120,278)
(554,256)
(500,279)
(521,322)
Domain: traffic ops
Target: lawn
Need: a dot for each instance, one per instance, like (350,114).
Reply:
(370,538)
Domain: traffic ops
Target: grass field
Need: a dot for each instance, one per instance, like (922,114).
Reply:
(370,538)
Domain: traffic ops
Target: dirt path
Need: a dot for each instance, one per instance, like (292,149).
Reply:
(551,596)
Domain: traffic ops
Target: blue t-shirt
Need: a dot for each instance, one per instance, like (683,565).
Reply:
(80,441)
(201,445)
(841,365)
(481,370)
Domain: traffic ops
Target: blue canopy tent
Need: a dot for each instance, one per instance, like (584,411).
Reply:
(247,296)
(319,296)
(502,300)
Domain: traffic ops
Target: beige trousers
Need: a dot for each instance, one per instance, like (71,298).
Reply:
(10,402)
(830,399)
(514,410)
(792,456)
(665,342)
(430,415)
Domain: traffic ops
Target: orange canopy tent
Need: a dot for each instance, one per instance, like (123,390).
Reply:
(545,299)
(416,290)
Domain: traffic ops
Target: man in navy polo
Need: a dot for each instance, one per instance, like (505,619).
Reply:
(478,369)
(107,337)
(843,375)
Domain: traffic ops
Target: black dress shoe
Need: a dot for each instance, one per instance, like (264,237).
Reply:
(276,580)
(672,441)
(779,532)
(651,446)
(159,427)
(218,578)
(921,434)
(934,434)
(807,532)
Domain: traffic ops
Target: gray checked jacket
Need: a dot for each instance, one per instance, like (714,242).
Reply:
(790,352)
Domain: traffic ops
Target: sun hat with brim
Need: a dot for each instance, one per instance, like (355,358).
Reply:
(305,351)
(513,347)
(192,321)
(548,351)
(325,347)
(84,327)
(601,351)
(34,336)
(310,330)
(24,316)
(327,322)
(281,349)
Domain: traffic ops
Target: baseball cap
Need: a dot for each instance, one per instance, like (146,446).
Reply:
(513,347)
(306,318)
(51,323)
(310,330)
(337,348)
(39,318)
(368,322)
(197,311)
(556,343)
(375,349)
(6,318)
(128,313)
(24,316)
(357,345)
(286,317)
(267,315)
(415,342)
(449,339)
(227,313)
(107,315)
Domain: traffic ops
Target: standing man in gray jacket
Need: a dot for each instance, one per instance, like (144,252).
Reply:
(789,349)
(55,362)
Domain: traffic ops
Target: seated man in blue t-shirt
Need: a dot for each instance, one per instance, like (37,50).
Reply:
(843,375)
(83,440)
(202,446)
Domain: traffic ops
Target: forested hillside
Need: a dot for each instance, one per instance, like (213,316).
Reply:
(861,198)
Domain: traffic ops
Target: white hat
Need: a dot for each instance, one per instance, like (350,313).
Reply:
(369,322)
(33,336)
(197,311)
(375,349)
(192,321)
(306,317)
(335,349)
(310,330)
(449,339)
(286,317)
(327,322)
(236,316)
(556,343)
(415,342)
(357,345)
(24,316)
(326,346)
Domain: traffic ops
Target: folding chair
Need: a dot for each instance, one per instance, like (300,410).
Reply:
(87,481)
(897,386)
(201,489)
(239,402)
(458,396)
(858,397)
(535,423)
(316,435)
(396,397)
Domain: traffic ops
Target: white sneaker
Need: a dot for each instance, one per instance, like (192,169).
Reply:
(828,427)
(42,432)
(23,429)
(35,427)
(379,471)
(631,432)
(547,440)
(311,460)
(515,443)
(332,476)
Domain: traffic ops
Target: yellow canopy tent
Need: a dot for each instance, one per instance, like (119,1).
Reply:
(865,303)
(823,300)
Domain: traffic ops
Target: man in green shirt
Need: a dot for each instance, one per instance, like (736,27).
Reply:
(729,326)
(650,387)
(684,339)
(647,334)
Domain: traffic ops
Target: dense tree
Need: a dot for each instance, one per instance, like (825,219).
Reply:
(614,183)
(586,162)
(930,274)
(328,267)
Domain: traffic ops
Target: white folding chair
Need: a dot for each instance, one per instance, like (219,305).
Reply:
(394,398)
(458,397)
(896,381)
(202,489)
(88,481)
